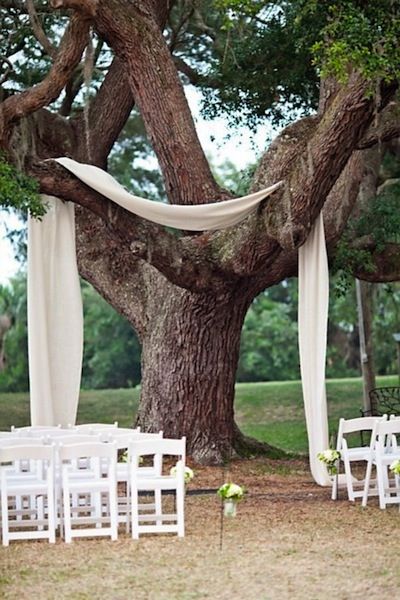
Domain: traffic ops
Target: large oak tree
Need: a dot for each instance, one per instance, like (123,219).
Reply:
(187,295)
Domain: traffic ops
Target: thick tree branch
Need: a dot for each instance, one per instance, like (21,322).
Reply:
(85,7)
(133,32)
(384,128)
(108,266)
(106,117)
(38,31)
(20,105)
(310,156)
(184,261)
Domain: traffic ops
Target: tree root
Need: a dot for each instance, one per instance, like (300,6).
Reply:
(247,447)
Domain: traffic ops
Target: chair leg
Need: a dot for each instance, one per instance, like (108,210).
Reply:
(335,487)
(381,484)
(180,510)
(349,482)
(128,506)
(67,515)
(367,483)
(39,509)
(4,517)
(114,513)
(134,514)
(158,505)
(51,516)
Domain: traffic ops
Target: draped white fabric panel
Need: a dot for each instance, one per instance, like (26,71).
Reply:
(313,320)
(55,322)
(217,215)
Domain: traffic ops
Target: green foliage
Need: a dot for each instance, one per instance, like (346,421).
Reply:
(378,223)
(347,261)
(386,323)
(18,191)
(111,356)
(13,303)
(230,177)
(259,59)
(268,348)
(384,214)
(130,159)
(112,352)
(260,67)
(359,35)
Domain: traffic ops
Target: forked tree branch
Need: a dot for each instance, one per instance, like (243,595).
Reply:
(20,105)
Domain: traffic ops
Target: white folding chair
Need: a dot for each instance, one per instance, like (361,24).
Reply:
(386,452)
(122,438)
(93,426)
(35,429)
(27,495)
(350,454)
(160,521)
(84,514)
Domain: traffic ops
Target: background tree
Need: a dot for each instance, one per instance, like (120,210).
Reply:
(187,295)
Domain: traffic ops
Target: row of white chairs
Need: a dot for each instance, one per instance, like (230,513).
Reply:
(75,482)
(381,451)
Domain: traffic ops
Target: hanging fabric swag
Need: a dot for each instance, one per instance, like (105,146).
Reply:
(313,321)
(55,323)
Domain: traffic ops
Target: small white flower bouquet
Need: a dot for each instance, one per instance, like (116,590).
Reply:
(231,494)
(330,458)
(231,491)
(188,473)
(395,467)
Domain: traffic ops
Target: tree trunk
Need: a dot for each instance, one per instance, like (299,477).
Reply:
(189,360)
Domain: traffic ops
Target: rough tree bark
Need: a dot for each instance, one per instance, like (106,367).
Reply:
(187,296)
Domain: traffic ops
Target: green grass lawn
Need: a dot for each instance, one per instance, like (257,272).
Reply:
(271,412)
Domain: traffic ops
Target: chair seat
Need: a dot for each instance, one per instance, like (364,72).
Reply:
(160,482)
(359,453)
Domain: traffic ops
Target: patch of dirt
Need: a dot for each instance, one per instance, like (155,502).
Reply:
(288,541)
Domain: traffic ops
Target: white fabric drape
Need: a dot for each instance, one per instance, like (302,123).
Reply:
(55,322)
(216,215)
(313,320)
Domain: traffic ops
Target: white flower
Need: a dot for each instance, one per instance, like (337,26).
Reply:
(329,456)
(188,473)
(231,491)
(395,467)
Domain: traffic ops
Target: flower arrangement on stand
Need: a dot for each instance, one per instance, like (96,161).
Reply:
(330,458)
(395,467)
(231,494)
(188,473)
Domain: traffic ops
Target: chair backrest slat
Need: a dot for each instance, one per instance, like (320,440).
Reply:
(163,446)
(87,450)
(26,452)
